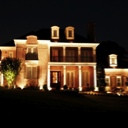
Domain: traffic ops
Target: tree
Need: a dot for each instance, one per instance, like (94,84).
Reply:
(100,76)
(109,47)
(10,67)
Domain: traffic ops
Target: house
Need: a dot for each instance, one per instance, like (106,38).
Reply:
(112,66)
(115,76)
(54,57)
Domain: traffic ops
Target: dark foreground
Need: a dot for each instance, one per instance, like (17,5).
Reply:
(59,101)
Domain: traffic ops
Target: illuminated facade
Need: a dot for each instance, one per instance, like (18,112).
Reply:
(54,61)
(115,77)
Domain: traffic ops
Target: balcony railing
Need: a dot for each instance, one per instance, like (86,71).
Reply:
(56,59)
(70,59)
(87,59)
(31,56)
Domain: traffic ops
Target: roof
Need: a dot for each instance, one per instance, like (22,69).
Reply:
(45,34)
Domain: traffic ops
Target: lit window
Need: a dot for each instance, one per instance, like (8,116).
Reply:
(113,60)
(69,31)
(31,73)
(118,80)
(55,32)
(107,80)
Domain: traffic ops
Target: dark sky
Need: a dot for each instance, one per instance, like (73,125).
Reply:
(17,17)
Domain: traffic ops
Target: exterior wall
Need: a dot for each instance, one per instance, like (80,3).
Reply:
(75,71)
(20,53)
(70,73)
(43,61)
(5,52)
(113,75)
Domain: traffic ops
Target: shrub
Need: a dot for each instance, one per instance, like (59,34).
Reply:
(65,87)
(45,87)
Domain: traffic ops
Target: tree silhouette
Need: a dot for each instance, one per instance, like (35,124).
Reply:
(102,55)
(109,47)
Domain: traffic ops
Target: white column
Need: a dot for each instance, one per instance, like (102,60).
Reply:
(48,78)
(49,54)
(94,54)
(79,54)
(80,76)
(64,54)
(95,79)
(64,68)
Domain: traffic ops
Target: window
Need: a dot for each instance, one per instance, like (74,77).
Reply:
(70,55)
(56,54)
(107,80)
(29,50)
(31,73)
(118,80)
(126,81)
(113,60)
(32,50)
(55,32)
(69,31)
(31,53)
(86,55)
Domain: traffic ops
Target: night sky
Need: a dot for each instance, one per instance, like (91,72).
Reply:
(18,17)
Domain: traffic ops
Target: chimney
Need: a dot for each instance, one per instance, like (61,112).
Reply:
(91,32)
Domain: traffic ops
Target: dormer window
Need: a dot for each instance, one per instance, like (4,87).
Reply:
(113,60)
(69,31)
(55,33)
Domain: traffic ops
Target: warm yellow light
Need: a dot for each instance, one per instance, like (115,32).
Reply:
(96,89)
(49,88)
(80,88)
(107,89)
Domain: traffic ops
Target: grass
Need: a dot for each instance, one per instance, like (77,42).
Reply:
(59,101)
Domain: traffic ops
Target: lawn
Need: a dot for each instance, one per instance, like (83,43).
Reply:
(60,101)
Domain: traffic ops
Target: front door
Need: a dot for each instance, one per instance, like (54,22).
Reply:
(55,79)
